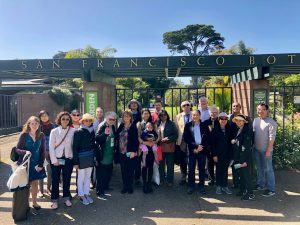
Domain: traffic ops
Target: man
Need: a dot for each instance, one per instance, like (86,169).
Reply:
(180,121)
(203,108)
(99,118)
(154,115)
(211,123)
(195,135)
(264,129)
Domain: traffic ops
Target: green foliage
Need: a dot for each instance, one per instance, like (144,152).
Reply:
(191,38)
(286,152)
(60,95)
(288,79)
(90,52)
(237,49)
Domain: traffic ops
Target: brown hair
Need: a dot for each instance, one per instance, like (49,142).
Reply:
(129,113)
(26,127)
(60,115)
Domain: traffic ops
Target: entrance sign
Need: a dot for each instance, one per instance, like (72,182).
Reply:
(91,102)
(259,96)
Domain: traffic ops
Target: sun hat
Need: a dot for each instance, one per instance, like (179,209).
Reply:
(87,116)
(240,117)
(134,101)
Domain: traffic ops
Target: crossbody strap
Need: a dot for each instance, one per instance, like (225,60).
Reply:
(62,139)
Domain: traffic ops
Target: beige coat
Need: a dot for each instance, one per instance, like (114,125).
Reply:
(179,122)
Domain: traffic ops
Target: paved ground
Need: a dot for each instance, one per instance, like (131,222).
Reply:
(165,206)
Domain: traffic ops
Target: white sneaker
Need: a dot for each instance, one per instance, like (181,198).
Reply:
(227,190)
(84,201)
(89,199)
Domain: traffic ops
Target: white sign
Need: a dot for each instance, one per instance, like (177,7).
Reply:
(296,99)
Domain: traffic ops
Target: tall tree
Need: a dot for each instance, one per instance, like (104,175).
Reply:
(237,49)
(196,39)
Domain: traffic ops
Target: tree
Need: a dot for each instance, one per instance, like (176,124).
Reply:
(196,39)
(237,49)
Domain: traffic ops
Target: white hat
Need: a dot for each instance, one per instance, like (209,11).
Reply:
(223,114)
(185,103)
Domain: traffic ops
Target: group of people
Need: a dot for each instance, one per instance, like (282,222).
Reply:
(199,138)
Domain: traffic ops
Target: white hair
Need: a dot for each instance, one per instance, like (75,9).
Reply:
(110,114)
(203,98)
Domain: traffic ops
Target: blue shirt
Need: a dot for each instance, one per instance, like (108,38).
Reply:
(205,114)
(197,134)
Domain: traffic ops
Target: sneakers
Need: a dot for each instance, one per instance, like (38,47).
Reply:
(84,200)
(248,197)
(89,199)
(227,190)
(218,190)
(268,193)
(102,197)
(258,188)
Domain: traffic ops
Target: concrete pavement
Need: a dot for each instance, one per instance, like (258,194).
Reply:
(165,206)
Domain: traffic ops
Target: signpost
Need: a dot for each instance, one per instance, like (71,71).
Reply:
(91,102)
(259,96)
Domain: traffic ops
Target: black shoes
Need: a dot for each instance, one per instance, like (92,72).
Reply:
(190,190)
(211,183)
(124,191)
(183,182)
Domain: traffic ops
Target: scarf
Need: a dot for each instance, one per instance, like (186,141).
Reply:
(46,127)
(90,128)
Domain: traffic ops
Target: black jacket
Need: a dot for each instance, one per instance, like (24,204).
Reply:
(208,123)
(83,141)
(101,140)
(189,138)
(170,131)
(221,144)
(243,148)
(133,140)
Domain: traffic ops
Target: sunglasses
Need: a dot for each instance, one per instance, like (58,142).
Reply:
(110,119)
(222,118)
(65,119)
(88,121)
(75,115)
(185,105)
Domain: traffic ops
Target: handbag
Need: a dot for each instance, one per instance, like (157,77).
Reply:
(168,147)
(14,156)
(20,176)
(159,153)
(86,159)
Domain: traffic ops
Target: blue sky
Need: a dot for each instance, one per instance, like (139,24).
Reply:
(39,29)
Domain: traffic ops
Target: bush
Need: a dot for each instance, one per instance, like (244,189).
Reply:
(60,95)
(287,148)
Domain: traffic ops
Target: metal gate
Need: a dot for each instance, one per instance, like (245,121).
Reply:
(10,113)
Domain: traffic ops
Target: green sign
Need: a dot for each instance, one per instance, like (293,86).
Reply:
(259,96)
(91,102)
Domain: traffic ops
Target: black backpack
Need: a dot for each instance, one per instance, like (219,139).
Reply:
(14,156)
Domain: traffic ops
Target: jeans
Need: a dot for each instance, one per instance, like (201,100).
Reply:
(201,158)
(264,168)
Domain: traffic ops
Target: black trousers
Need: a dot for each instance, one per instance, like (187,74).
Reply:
(66,171)
(246,182)
(210,167)
(222,172)
(235,176)
(147,171)
(127,167)
(103,174)
(137,168)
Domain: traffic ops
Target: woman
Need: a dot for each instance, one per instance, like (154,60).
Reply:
(84,146)
(168,135)
(61,156)
(46,127)
(242,155)
(33,144)
(128,145)
(222,152)
(105,139)
(147,168)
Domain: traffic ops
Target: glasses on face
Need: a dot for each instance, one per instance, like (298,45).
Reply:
(65,119)
(75,115)
(111,119)
(185,105)
(223,118)
(88,121)
(214,112)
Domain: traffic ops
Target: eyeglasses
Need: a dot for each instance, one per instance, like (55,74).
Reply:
(75,115)
(222,118)
(65,119)
(111,119)
(88,121)
(185,105)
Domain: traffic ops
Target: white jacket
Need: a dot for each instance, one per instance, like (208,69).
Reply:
(56,136)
